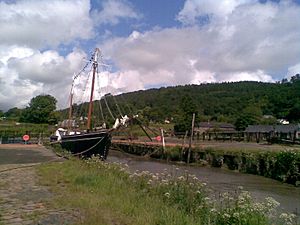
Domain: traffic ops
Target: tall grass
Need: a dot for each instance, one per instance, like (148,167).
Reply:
(108,194)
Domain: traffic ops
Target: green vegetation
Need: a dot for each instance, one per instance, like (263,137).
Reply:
(9,129)
(240,103)
(40,110)
(107,194)
(274,162)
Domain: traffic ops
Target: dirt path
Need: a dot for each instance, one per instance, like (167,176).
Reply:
(22,199)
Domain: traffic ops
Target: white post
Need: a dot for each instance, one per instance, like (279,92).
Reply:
(191,139)
(162,138)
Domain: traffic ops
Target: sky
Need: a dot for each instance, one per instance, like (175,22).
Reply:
(146,43)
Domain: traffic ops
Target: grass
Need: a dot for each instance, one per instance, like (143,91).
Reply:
(107,194)
(14,129)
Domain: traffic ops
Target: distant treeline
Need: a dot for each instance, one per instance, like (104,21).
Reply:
(240,103)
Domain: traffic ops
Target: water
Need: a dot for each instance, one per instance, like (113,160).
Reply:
(220,180)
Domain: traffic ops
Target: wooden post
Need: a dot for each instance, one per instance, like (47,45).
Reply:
(191,138)
(40,142)
(162,139)
(183,143)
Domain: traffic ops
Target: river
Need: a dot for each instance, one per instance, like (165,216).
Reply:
(220,180)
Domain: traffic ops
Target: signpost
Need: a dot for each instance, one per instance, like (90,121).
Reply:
(26,138)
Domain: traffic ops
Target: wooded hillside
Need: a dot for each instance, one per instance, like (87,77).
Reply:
(223,102)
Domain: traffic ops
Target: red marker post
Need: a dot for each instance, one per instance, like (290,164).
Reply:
(158,138)
(26,138)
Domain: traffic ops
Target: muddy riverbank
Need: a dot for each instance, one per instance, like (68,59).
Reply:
(220,179)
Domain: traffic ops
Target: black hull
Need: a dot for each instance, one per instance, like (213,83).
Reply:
(87,144)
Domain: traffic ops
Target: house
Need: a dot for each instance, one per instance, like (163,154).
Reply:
(287,131)
(203,127)
(283,131)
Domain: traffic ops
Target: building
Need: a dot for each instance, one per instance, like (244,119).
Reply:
(289,132)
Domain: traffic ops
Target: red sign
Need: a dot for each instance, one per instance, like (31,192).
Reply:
(158,138)
(26,137)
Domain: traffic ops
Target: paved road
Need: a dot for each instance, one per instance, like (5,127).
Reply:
(23,201)
(23,154)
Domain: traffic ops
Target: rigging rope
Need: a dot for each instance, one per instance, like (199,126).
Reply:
(118,108)
(99,93)
(108,107)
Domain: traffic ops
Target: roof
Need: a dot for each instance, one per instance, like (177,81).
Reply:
(284,128)
(287,128)
(259,128)
(215,125)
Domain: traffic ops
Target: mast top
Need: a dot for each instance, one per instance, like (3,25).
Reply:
(95,65)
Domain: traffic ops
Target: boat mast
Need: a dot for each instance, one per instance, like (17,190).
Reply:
(70,109)
(95,65)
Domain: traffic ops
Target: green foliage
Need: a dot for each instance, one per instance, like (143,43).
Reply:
(13,114)
(41,110)
(186,109)
(167,198)
(223,102)
(294,113)
(250,115)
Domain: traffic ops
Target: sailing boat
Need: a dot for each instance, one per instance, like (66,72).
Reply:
(89,142)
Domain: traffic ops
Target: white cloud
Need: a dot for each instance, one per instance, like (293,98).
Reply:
(241,40)
(22,76)
(44,23)
(244,40)
(193,10)
(113,11)
(293,70)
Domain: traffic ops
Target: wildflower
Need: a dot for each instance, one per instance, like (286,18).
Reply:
(272,203)
(213,210)
(226,216)
(287,218)
(236,215)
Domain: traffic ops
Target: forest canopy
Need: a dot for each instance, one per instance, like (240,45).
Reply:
(239,103)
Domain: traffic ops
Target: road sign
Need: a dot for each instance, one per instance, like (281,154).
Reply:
(26,137)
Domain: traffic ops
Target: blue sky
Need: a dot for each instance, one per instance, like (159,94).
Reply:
(148,43)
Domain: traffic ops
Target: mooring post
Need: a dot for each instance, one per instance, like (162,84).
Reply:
(40,139)
(162,139)
(191,139)
(183,144)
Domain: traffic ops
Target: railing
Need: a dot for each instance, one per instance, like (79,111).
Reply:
(11,138)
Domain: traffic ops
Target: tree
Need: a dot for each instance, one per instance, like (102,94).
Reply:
(295,78)
(249,116)
(13,113)
(186,109)
(41,110)
(294,114)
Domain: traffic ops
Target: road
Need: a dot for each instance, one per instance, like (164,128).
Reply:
(22,199)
